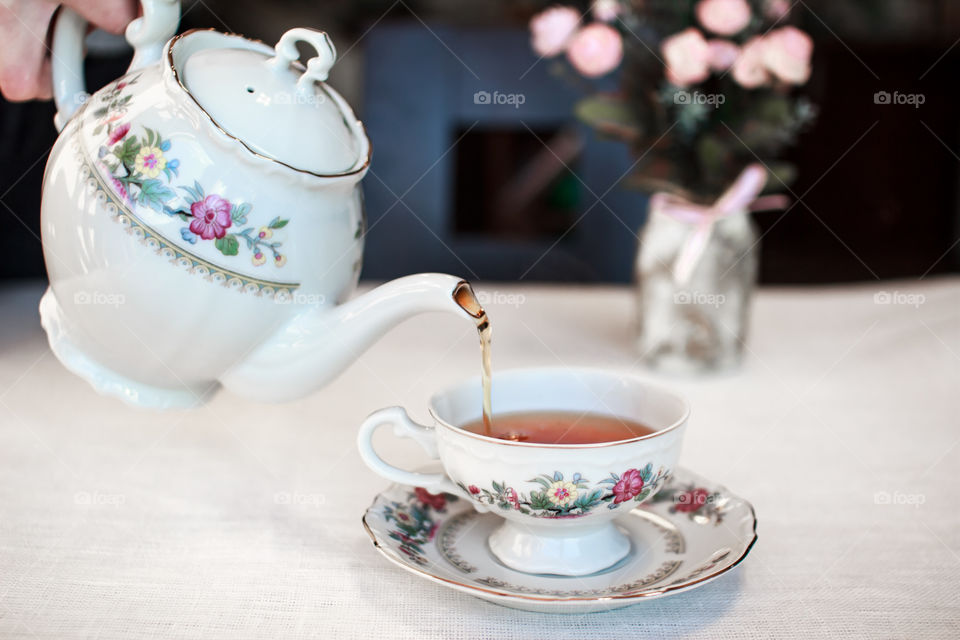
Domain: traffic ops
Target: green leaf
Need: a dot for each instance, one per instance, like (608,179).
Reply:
(155,189)
(713,156)
(227,245)
(608,114)
(99,113)
(194,196)
(128,151)
(239,212)
(277,223)
(542,481)
(539,500)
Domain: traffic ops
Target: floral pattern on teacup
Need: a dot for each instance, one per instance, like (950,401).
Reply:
(559,497)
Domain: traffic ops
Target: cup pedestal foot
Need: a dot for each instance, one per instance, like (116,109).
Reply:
(572,551)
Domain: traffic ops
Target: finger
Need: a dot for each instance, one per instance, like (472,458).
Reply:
(45,81)
(23,29)
(111,15)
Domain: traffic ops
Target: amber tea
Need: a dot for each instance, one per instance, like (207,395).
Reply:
(560,427)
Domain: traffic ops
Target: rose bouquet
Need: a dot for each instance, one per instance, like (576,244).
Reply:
(707,87)
(707,101)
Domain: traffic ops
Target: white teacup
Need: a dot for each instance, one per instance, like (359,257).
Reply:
(559,501)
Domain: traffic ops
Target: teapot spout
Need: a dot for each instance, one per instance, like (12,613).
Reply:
(315,346)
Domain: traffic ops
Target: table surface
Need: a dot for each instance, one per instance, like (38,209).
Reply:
(241,520)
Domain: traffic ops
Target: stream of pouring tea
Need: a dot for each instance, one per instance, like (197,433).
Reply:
(465,297)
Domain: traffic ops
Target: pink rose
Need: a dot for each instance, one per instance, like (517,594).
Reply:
(786,53)
(776,9)
(211,217)
(118,134)
(748,69)
(551,29)
(723,17)
(687,56)
(606,10)
(723,54)
(436,500)
(596,50)
(629,485)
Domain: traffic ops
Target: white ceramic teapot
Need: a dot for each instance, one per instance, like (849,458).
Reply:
(203,223)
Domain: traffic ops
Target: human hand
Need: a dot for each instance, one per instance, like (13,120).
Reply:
(24,26)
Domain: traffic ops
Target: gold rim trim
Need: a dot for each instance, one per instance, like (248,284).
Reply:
(676,424)
(176,76)
(514,596)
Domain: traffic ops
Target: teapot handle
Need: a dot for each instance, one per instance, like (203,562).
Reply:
(147,35)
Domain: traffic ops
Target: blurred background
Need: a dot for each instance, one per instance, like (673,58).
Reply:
(511,191)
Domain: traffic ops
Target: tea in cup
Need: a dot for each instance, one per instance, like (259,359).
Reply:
(569,450)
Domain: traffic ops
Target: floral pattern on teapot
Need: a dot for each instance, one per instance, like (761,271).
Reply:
(142,172)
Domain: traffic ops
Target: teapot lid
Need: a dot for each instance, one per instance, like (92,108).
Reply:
(267,100)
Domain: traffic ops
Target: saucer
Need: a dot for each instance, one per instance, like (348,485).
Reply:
(690,533)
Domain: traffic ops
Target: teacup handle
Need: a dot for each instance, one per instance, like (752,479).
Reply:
(404,427)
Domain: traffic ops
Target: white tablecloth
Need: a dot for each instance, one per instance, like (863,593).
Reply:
(241,520)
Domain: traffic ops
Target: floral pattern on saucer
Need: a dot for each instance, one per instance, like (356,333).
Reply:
(676,546)
(413,520)
(698,503)
(560,497)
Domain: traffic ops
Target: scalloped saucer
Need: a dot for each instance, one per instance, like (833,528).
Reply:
(690,533)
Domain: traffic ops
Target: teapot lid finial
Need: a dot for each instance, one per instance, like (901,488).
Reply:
(274,105)
(318,67)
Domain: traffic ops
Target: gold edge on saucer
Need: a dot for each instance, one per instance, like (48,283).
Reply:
(656,593)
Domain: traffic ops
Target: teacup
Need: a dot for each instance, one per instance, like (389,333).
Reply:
(558,501)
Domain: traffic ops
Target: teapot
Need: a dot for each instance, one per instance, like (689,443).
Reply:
(202,220)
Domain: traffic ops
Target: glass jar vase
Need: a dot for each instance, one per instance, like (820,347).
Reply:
(701,324)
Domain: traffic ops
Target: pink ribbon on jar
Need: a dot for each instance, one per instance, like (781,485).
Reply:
(742,195)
